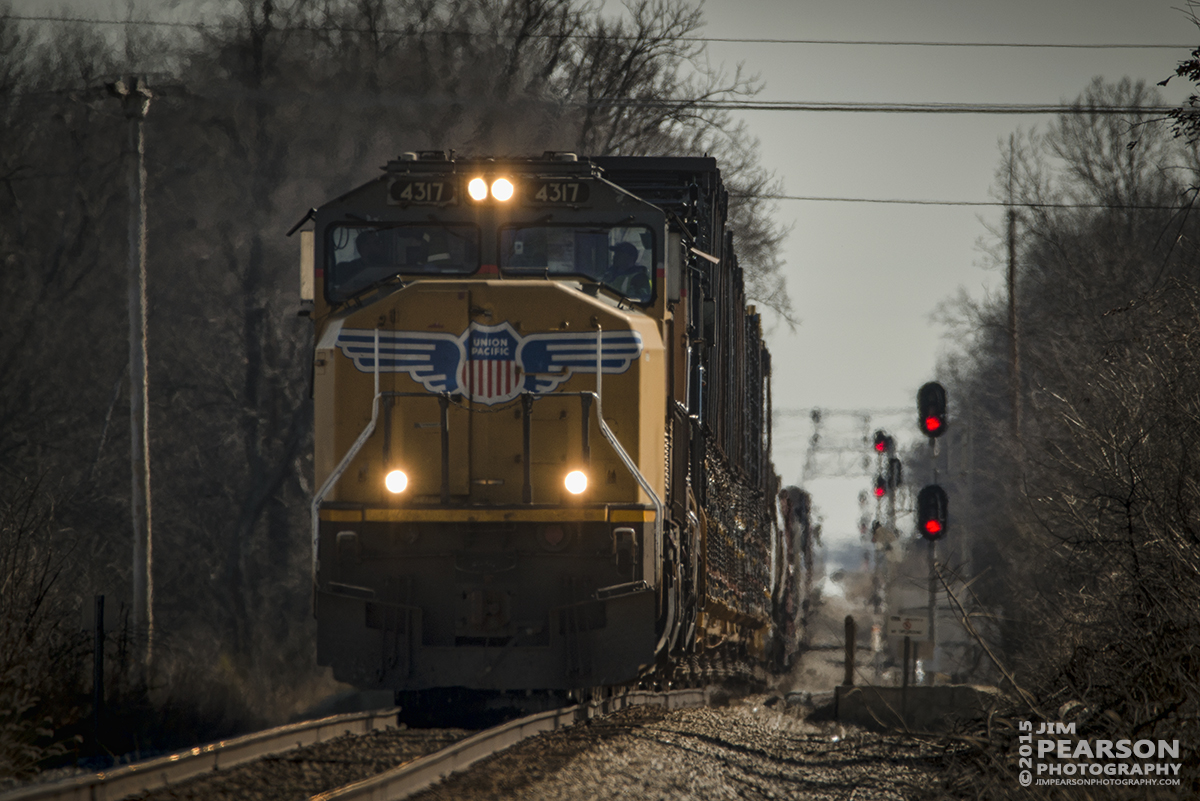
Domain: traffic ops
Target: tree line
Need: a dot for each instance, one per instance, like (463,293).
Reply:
(1084,504)
(268,110)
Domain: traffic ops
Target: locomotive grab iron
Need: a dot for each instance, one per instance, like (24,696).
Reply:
(542,427)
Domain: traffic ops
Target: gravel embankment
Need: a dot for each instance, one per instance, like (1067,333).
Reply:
(745,750)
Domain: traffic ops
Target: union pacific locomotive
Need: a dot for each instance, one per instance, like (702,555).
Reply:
(542,428)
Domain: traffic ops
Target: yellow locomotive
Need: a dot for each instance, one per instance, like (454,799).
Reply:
(542,426)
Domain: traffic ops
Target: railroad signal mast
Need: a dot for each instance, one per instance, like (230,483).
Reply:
(887,474)
(932,503)
(884,487)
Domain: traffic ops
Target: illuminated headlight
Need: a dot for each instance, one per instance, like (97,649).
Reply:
(502,189)
(396,481)
(477,189)
(576,482)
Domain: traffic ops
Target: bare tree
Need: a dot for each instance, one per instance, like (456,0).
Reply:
(35,637)
(255,119)
(1088,524)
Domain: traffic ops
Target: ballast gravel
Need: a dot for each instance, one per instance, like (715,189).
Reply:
(753,748)
(305,772)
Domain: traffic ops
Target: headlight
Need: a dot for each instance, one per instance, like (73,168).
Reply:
(576,482)
(502,189)
(477,189)
(396,481)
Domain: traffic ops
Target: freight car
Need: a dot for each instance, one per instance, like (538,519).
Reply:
(542,427)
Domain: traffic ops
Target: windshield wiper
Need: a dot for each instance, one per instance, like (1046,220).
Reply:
(390,284)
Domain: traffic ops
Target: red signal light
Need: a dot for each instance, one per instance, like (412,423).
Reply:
(932,505)
(931,409)
(880,492)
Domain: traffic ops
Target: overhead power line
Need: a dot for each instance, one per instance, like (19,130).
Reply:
(699,39)
(697,104)
(887,108)
(886,43)
(986,203)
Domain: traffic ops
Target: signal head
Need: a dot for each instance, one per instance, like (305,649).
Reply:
(931,409)
(884,443)
(881,486)
(932,508)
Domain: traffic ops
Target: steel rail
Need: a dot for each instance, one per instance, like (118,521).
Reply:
(153,774)
(403,781)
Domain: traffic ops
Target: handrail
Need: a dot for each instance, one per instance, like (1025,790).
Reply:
(659,507)
(632,467)
(645,485)
(341,468)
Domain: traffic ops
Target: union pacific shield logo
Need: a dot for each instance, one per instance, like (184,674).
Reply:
(492,372)
(491,364)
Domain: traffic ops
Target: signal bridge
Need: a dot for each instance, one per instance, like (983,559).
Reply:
(837,445)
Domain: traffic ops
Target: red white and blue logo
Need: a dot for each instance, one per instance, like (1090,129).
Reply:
(490,364)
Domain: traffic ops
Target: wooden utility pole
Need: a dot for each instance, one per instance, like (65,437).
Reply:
(135,100)
(1014,352)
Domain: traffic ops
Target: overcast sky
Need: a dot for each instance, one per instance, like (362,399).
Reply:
(865,278)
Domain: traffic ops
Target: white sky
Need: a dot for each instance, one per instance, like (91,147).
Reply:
(864,279)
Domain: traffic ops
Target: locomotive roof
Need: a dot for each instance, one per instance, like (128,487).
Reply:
(657,179)
(445,160)
(619,169)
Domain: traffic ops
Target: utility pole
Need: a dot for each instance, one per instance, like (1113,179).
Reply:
(135,100)
(1014,353)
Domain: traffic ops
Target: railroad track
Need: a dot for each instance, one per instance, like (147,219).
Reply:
(223,755)
(425,757)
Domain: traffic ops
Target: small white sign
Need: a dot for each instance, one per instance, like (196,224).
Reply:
(902,626)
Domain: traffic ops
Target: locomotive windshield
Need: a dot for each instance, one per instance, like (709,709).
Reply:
(360,256)
(621,257)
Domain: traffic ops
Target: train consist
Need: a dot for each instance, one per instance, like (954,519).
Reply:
(542,428)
